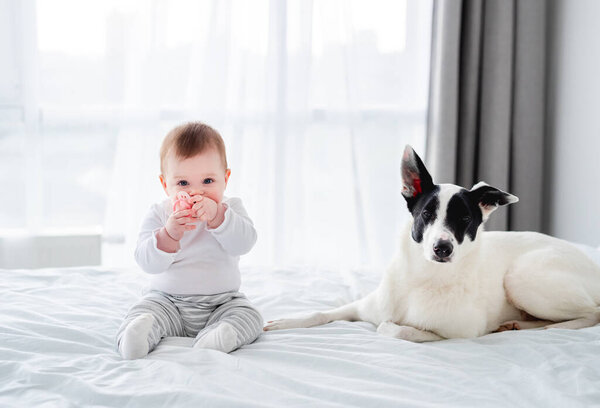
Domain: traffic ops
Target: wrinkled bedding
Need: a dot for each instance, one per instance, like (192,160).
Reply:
(57,330)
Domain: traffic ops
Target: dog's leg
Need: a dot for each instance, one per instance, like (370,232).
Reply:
(581,323)
(347,312)
(407,333)
(561,290)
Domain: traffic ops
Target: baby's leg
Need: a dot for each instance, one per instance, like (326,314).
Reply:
(230,326)
(149,320)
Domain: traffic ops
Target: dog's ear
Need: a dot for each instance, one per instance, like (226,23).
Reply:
(415,177)
(490,198)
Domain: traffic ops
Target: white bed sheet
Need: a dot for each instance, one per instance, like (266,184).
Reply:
(57,331)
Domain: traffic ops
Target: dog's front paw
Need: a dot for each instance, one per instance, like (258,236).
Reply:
(274,325)
(314,319)
(387,329)
(391,329)
(282,324)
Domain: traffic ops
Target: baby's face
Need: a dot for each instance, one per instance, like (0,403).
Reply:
(203,174)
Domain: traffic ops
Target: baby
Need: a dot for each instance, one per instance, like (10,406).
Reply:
(193,253)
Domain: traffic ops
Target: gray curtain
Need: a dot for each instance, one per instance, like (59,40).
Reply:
(487,101)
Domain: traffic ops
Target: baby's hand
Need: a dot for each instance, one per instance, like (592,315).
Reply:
(179,222)
(207,210)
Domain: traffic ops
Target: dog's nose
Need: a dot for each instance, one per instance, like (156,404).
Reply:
(443,248)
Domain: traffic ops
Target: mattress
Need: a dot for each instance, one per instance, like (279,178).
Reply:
(57,349)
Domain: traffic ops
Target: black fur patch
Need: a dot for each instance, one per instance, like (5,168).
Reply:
(463,216)
(416,179)
(424,210)
(489,196)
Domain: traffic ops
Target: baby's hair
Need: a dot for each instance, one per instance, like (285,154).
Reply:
(190,139)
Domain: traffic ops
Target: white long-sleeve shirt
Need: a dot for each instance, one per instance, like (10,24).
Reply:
(207,261)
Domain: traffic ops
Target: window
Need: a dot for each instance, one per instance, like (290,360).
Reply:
(315,100)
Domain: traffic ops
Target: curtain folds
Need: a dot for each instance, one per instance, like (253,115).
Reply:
(487,101)
(315,101)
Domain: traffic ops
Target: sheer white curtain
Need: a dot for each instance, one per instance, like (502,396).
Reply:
(315,101)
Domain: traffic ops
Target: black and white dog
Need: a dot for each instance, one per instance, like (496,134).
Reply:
(451,279)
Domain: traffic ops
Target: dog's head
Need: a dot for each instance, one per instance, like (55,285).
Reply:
(447,218)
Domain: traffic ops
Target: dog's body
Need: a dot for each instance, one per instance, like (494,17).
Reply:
(452,279)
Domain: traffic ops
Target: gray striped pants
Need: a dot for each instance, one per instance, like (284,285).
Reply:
(195,315)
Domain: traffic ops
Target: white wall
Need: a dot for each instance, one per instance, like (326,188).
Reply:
(574,121)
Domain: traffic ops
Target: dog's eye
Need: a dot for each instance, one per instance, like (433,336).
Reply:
(466,219)
(426,214)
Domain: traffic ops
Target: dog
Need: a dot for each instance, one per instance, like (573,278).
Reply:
(451,279)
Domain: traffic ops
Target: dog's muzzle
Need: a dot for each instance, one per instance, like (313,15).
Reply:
(442,251)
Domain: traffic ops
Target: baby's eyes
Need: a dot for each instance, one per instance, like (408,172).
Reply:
(184,183)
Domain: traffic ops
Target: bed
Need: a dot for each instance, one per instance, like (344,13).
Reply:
(57,331)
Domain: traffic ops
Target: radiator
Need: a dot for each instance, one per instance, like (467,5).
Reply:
(50,250)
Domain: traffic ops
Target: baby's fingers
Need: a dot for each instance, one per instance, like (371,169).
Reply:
(198,206)
(186,220)
(182,213)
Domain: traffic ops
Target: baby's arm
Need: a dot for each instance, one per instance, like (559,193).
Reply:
(156,248)
(236,233)
(164,242)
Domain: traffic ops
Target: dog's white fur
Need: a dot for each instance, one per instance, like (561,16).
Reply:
(498,281)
